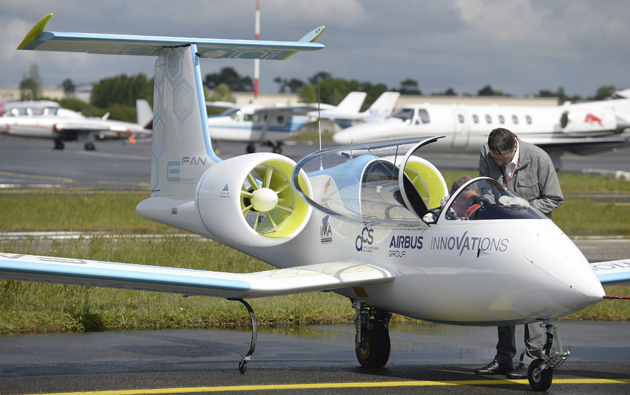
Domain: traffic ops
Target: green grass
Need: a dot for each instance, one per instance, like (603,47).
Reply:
(54,212)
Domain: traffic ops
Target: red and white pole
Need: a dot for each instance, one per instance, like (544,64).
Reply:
(257,61)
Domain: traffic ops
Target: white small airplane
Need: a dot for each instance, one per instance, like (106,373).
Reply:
(364,221)
(39,120)
(583,128)
(272,125)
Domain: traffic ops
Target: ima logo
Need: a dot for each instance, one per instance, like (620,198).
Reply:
(592,119)
(325,231)
(225,193)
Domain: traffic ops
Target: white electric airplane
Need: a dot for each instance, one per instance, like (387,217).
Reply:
(59,124)
(255,123)
(361,220)
(583,128)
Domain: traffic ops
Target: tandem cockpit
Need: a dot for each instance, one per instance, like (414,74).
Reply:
(387,184)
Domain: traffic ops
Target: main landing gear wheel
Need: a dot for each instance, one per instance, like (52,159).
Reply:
(372,344)
(267,202)
(251,148)
(277,149)
(59,144)
(539,380)
(373,352)
(89,147)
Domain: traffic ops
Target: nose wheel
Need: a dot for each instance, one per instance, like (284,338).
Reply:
(540,373)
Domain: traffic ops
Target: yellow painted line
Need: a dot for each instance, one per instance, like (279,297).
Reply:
(338,385)
(20,175)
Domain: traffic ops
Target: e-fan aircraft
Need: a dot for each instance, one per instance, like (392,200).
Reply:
(255,123)
(361,220)
(583,128)
(60,124)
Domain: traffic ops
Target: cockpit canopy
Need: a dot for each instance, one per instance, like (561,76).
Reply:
(484,198)
(384,184)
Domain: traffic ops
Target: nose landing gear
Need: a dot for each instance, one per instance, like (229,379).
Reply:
(540,374)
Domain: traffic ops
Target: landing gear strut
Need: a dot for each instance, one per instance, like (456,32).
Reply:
(540,374)
(242,365)
(372,344)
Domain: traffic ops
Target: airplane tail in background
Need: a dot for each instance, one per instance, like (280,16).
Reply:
(351,104)
(384,105)
(144,114)
(182,149)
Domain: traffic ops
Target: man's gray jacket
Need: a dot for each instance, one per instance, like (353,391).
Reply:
(535,178)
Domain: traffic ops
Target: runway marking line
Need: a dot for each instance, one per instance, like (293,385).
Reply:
(383,384)
(22,175)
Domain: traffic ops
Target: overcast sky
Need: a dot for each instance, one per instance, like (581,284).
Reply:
(516,46)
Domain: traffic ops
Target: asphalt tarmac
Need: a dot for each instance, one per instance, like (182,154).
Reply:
(320,359)
(27,163)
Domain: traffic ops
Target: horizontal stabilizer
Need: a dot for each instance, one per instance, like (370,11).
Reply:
(114,44)
(318,277)
(612,272)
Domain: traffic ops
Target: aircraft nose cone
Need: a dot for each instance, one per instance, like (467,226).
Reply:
(555,254)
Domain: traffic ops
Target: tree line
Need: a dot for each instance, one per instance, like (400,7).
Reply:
(117,95)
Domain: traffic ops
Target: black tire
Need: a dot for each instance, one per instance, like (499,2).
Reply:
(543,380)
(251,149)
(277,149)
(242,366)
(374,352)
(59,145)
(89,147)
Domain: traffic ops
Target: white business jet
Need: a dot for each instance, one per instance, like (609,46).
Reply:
(271,125)
(583,128)
(364,220)
(59,124)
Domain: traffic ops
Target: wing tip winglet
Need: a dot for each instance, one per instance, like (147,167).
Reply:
(35,31)
(309,38)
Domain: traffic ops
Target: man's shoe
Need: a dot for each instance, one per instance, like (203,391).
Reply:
(495,368)
(519,373)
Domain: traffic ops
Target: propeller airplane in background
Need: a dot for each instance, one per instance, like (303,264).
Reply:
(271,125)
(363,220)
(49,121)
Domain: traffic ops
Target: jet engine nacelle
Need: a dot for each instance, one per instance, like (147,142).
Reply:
(576,121)
(249,200)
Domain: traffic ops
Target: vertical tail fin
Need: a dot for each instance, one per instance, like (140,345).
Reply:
(351,104)
(384,105)
(144,113)
(182,150)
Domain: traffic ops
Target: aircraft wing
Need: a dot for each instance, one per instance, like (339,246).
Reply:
(116,44)
(612,272)
(317,277)
(582,145)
